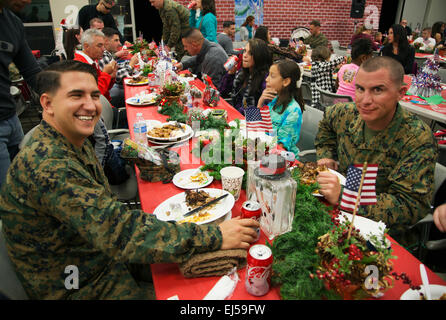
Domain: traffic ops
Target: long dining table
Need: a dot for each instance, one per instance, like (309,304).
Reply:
(167,278)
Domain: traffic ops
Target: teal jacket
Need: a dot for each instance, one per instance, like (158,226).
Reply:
(287,124)
(208,24)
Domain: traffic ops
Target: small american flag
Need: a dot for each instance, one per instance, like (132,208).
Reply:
(258,119)
(368,192)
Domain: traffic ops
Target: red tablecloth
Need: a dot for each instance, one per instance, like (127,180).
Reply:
(167,278)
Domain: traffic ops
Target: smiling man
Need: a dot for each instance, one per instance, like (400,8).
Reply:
(59,213)
(376,129)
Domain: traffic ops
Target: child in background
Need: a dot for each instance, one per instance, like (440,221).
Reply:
(361,51)
(286,104)
(322,72)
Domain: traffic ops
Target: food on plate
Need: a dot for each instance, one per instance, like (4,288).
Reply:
(199,217)
(201,178)
(309,172)
(195,199)
(166,131)
(138,80)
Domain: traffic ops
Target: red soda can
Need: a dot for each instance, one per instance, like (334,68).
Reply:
(230,63)
(251,209)
(191,4)
(258,270)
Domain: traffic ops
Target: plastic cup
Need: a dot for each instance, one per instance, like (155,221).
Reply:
(231,179)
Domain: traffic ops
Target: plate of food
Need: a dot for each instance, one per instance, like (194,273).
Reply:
(192,179)
(171,143)
(174,208)
(438,292)
(309,172)
(170,132)
(137,81)
(144,99)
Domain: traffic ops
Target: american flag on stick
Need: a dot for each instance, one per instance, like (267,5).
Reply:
(368,191)
(258,119)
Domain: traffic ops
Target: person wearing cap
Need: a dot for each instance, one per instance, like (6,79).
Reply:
(316,38)
(101,10)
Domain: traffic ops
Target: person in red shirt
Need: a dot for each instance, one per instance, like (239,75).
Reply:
(93,42)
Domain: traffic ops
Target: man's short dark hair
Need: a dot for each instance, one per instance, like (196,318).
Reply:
(192,34)
(109,32)
(394,67)
(228,23)
(315,23)
(48,80)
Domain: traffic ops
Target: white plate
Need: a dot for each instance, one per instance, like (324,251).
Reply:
(152,124)
(170,142)
(127,82)
(341,181)
(220,209)
(134,101)
(182,179)
(436,292)
(181,135)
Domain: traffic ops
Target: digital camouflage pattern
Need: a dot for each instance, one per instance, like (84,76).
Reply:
(406,153)
(58,210)
(175,18)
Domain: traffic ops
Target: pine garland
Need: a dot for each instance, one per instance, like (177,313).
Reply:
(294,252)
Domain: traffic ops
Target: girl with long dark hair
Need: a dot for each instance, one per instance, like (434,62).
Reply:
(286,104)
(246,28)
(207,21)
(398,47)
(248,83)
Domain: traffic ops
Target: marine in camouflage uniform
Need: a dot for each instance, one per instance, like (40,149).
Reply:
(175,19)
(405,152)
(58,210)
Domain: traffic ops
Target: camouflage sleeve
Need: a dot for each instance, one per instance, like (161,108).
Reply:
(132,236)
(411,188)
(326,137)
(172,34)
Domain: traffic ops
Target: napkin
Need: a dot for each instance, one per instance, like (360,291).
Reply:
(224,288)
(437,99)
(216,263)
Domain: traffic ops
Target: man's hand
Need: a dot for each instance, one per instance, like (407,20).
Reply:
(330,187)
(111,68)
(238,233)
(440,217)
(330,163)
(121,54)
(179,66)
(267,94)
(133,61)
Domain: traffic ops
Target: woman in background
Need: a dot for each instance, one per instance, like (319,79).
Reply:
(207,21)
(72,41)
(247,84)
(246,31)
(438,32)
(398,48)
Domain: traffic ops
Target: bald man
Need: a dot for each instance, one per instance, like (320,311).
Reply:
(207,57)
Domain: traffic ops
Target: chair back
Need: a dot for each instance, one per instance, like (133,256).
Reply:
(442,74)
(27,137)
(107,112)
(10,284)
(439,176)
(310,125)
(306,92)
(329,98)
(335,44)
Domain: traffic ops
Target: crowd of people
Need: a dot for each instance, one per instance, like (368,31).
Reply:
(56,205)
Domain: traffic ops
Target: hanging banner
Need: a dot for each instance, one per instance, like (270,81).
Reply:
(245,8)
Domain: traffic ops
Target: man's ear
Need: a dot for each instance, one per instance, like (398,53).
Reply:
(46,103)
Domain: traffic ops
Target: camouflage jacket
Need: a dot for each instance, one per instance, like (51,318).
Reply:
(58,210)
(406,153)
(175,18)
(316,41)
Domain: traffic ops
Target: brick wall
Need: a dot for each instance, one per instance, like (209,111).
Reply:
(282,16)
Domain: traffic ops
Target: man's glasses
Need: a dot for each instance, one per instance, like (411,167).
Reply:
(105,7)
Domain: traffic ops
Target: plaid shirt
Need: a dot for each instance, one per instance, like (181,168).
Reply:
(124,70)
(322,76)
